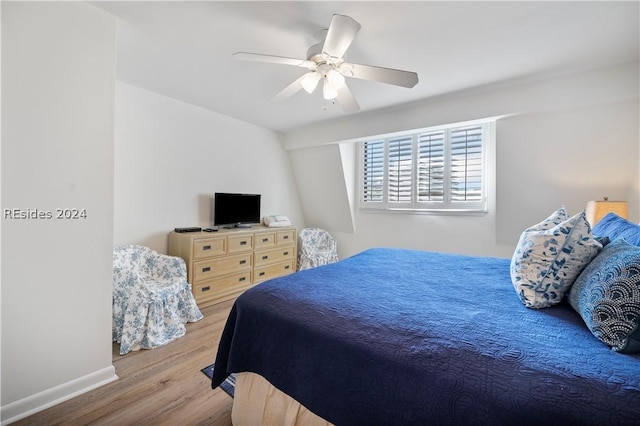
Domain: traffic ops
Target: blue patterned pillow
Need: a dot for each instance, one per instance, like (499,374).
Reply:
(614,227)
(607,296)
(550,256)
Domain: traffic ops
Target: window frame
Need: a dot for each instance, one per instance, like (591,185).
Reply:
(435,207)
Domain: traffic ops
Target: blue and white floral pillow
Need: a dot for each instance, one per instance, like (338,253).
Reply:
(550,256)
(554,219)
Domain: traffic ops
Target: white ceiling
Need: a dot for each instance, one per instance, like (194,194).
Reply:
(184,49)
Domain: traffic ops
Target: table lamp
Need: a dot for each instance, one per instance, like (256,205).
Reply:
(596,210)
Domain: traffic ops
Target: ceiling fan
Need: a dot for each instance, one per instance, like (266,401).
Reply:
(325,61)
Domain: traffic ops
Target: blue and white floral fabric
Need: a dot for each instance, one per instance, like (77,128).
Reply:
(550,256)
(316,247)
(152,300)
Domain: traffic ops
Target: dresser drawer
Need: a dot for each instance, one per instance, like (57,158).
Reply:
(266,257)
(207,247)
(204,269)
(272,271)
(238,243)
(265,239)
(220,287)
(285,237)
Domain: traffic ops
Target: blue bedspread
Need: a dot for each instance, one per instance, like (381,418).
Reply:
(393,336)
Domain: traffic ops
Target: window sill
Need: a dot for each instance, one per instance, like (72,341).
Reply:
(438,212)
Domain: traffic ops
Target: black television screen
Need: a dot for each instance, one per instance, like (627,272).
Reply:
(235,209)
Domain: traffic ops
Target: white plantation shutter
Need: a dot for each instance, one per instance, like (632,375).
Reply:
(400,170)
(466,164)
(432,169)
(373,171)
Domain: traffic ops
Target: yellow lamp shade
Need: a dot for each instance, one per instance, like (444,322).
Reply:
(596,210)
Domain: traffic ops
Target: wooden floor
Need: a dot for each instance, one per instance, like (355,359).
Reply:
(162,386)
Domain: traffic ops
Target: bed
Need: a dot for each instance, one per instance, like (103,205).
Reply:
(394,336)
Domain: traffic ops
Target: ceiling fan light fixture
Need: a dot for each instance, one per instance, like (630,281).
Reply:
(333,82)
(310,81)
(335,79)
(328,91)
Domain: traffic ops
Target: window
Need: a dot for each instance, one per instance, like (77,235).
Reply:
(434,169)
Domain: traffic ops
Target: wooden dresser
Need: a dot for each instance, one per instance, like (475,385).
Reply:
(221,265)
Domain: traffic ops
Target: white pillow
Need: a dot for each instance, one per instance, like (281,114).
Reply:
(550,256)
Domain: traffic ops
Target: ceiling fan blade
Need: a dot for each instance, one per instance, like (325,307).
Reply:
(342,32)
(382,75)
(289,91)
(346,100)
(274,59)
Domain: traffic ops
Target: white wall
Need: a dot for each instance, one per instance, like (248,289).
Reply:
(170,157)
(324,197)
(566,157)
(58,71)
(564,140)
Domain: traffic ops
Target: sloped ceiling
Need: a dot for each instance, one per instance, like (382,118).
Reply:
(184,49)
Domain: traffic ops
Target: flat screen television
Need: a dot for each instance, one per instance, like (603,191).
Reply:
(235,210)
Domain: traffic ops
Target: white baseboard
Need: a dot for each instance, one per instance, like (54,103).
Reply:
(42,400)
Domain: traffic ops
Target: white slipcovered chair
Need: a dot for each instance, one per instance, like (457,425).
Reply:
(152,300)
(316,247)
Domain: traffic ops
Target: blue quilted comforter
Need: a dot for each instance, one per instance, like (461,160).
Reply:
(394,336)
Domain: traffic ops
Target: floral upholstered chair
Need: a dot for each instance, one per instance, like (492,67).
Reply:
(152,300)
(316,247)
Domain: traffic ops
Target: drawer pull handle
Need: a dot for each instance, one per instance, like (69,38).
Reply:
(207,269)
(286,267)
(261,274)
(264,240)
(206,248)
(265,257)
(286,237)
(242,262)
(207,288)
(286,253)
(242,279)
(243,243)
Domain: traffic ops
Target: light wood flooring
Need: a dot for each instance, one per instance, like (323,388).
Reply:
(162,386)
